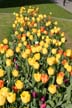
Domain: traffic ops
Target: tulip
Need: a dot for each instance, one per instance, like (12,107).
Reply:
(66,80)
(16,66)
(43,99)
(14,60)
(34,94)
(43,105)
(14,88)
(1,83)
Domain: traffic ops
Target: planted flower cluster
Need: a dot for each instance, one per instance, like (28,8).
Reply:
(35,66)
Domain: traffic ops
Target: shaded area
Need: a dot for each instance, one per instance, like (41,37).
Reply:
(16,3)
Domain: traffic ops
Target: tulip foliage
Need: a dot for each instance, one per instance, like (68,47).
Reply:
(35,66)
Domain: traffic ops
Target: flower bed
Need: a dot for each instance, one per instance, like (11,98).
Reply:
(35,66)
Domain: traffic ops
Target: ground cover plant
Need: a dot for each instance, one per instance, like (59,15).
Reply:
(35,66)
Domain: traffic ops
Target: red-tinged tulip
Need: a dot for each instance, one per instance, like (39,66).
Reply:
(60,52)
(19,37)
(15,88)
(64,54)
(29,47)
(61,74)
(42,29)
(32,23)
(44,78)
(23,35)
(37,44)
(71,73)
(63,62)
(5,47)
(1,83)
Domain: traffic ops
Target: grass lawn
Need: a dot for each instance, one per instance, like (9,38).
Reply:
(6,18)
(44,8)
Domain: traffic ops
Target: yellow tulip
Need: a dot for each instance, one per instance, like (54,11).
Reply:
(31,61)
(46,45)
(25,43)
(66,65)
(58,57)
(44,51)
(27,51)
(37,56)
(19,84)
(20,45)
(62,34)
(8,62)
(15,73)
(13,25)
(68,52)
(11,97)
(48,23)
(31,37)
(36,65)
(59,80)
(33,49)
(28,34)
(52,89)
(38,49)
(4,91)
(23,39)
(41,43)
(17,49)
(63,40)
(55,23)
(24,55)
(35,25)
(51,71)
(16,33)
(2,72)
(69,68)
(2,100)
(54,51)
(25,97)
(21,29)
(54,41)
(5,41)
(37,77)
(38,34)
(51,60)
(9,53)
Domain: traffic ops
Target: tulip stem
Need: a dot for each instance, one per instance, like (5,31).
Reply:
(27,66)
(8,73)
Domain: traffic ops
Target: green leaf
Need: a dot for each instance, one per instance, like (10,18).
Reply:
(52,104)
(68,106)
(59,103)
(44,90)
(48,106)
(68,93)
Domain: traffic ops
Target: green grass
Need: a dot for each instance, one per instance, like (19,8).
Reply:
(66,26)
(5,25)
(6,18)
(44,8)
